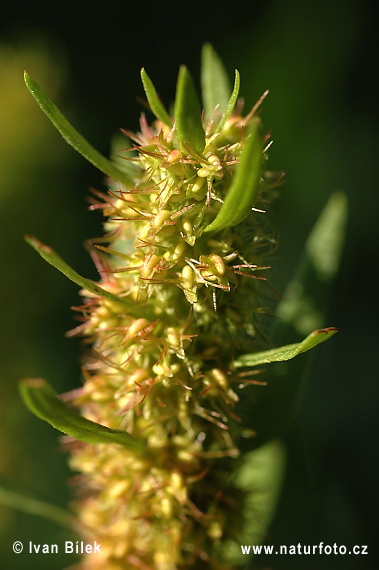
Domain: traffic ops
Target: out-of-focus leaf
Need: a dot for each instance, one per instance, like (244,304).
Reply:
(215,85)
(72,136)
(260,476)
(267,409)
(189,127)
(34,506)
(303,305)
(41,399)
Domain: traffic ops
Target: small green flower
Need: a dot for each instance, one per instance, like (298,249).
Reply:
(171,322)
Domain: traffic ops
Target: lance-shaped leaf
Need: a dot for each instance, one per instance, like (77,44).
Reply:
(72,136)
(215,85)
(41,399)
(231,103)
(243,192)
(189,127)
(154,101)
(285,352)
(56,261)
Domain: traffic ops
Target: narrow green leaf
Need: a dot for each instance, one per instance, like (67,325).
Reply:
(232,102)
(325,243)
(154,101)
(71,135)
(286,352)
(243,192)
(56,261)
(33,506)
(41,399)
(215,85)
(189,127)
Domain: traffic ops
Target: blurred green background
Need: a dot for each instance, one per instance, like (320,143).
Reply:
(320,62)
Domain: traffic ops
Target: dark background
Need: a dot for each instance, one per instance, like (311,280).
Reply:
(320,62)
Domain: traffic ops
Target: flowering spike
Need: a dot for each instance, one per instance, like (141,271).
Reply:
(174,316)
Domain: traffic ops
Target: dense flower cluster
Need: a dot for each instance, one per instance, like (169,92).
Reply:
(161,361)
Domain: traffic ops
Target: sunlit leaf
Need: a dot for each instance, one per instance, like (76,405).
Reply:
(41,399)
(232,102)
(56,261)
(189,127)
(301,310)
(71,135)
(286,352)
(243,192)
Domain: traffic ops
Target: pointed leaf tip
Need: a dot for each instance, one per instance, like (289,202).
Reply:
(286,352)
(41,399)
(152,97)
(231,103)
(47,253)
(71,135)
(189,127)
